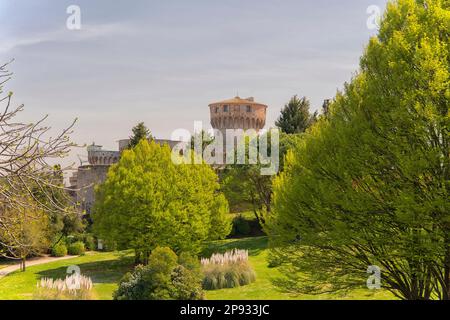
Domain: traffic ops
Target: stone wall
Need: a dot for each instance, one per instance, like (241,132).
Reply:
(87,178)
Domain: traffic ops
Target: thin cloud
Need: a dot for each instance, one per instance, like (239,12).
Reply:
(87,32)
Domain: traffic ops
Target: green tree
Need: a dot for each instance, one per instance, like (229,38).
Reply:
(368,185)
(140,132)
(243,184)
(29,231)
(64,219)
(295,116)
(148,201)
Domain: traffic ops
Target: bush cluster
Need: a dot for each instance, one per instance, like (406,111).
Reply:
(227,270)
(166,277)
(59,250)
(77,248)
(86,238)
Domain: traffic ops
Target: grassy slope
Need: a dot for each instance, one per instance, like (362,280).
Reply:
(262,288)
(107,268)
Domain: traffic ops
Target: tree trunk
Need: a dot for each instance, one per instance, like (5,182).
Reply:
(446,288)
(23,264)
(137,257)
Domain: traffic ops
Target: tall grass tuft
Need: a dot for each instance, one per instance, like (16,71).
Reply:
(73,287)
(228,270)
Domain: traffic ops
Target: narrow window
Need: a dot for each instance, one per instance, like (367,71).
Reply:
(249,109)
(225,108)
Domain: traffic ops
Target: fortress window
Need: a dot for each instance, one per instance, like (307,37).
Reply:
(217,109)
(249,109)
(225,108)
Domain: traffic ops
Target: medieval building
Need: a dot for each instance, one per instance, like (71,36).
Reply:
(234,113)
(238,113)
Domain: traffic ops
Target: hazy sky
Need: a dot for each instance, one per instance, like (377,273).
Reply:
(163,62)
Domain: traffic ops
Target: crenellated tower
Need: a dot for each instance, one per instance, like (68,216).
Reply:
(238,113)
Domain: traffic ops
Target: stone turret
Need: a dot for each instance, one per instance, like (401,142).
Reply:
(238,113)
(98,156)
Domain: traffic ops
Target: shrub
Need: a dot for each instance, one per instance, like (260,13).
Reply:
(227,270)
(89,241)
(190,262)
(244,225)
(165,277)
(73,287)
(77,248)
(187,284)
(241,226)
(87,238)
(59,250)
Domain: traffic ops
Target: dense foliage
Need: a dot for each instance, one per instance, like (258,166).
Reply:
(295,116)
(59,250)
(244,186)
(166,277)
(76,248)
(148,201)
(369,184)
(29,231)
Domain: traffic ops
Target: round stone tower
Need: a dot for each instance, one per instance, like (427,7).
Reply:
(238,113)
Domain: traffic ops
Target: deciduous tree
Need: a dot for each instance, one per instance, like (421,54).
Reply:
(369,184)
(148,201)
(27,181)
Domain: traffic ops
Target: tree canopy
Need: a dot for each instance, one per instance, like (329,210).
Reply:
(244,185)
(295,116)
(140,132)
(369,184)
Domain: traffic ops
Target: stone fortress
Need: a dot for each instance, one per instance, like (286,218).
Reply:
(236,113)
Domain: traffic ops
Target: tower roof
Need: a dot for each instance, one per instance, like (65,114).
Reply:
(238,100)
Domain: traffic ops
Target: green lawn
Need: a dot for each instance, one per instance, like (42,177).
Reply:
(263,288)
(106,269)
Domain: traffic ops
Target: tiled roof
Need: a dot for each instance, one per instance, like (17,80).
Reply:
(240,101)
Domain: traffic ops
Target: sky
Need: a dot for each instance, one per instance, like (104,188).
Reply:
(163,62)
